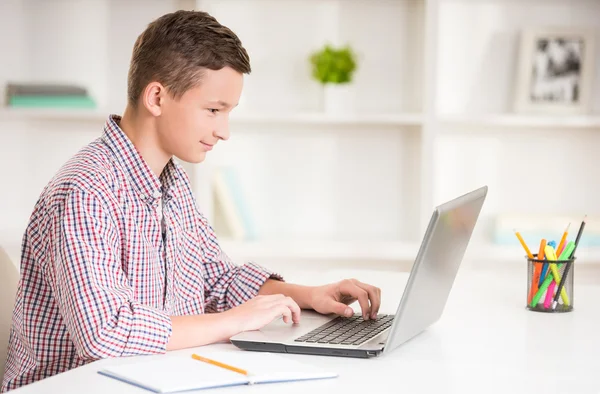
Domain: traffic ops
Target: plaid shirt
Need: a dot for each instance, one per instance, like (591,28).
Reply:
(97,278)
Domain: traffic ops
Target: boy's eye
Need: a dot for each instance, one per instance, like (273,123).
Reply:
(213,110)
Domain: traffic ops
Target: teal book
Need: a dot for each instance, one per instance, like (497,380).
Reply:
(85,102)
(234,185)
(228,219)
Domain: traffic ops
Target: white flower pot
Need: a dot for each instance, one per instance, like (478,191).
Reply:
(338,98)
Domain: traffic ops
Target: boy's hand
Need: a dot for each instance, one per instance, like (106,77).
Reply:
(335,298)
(263,309)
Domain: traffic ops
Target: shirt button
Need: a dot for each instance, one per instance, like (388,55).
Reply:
(156,194)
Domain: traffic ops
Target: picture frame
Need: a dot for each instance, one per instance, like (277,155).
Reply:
(555,71)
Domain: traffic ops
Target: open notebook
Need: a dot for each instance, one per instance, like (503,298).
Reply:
(170,374)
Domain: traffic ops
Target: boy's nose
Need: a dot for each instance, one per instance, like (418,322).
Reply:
(222,131)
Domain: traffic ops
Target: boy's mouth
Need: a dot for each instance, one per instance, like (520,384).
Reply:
(206,146)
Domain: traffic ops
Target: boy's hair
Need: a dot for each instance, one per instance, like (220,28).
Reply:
(176,48)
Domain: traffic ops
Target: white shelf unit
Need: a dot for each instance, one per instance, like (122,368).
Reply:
(496,254)
(323,251)
(237,119)
(320,118)
(516,122)
(506,121)
(432,120)
(63,115)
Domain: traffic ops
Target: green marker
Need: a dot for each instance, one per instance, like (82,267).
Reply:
(541,290)
(566,253)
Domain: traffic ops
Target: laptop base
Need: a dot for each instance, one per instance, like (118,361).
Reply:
(317,351)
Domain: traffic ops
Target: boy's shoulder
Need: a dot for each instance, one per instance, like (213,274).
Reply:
(93,170)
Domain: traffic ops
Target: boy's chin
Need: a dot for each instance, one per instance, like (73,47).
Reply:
(194,158)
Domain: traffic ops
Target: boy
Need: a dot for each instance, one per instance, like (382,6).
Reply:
(117,260)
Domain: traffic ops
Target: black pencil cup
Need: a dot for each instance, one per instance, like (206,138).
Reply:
(545,279)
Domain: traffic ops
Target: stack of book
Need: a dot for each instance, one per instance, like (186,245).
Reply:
(233,219)
(38,95)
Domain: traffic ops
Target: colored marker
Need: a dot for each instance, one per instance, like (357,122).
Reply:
(545,265)
(549,294)
(541,290)
(550,255)
(537,270)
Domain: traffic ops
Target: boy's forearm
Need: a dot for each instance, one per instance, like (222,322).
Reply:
(301,294)
(200,330)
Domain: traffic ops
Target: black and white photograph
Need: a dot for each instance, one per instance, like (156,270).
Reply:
(555,71)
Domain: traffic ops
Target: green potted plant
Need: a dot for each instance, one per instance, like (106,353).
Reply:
(334,69)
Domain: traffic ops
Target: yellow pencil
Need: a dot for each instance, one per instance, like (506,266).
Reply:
(524,244)
(219,364)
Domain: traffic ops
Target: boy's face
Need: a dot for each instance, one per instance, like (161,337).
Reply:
(190,127)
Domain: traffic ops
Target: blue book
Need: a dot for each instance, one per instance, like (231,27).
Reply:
(239,200)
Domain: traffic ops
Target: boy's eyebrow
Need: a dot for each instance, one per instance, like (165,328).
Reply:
(221,103)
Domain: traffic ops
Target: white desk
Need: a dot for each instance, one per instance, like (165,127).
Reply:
(485,342)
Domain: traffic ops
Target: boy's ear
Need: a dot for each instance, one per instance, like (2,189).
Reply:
(153,97)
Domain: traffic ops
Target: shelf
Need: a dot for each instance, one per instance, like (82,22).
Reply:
(515,254)
(312,251)
(25,114)
(515,120)
(316,118)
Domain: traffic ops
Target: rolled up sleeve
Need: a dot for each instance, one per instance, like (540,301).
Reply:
(228,285)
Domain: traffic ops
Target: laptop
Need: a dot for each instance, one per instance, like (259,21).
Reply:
(423,300)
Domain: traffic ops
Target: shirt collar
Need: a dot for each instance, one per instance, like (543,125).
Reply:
(146,182)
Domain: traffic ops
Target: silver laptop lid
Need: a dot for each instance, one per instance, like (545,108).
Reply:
(433,273)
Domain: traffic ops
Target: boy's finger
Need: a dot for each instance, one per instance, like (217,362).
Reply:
(293,307)
(285,312)
(351,289)
(374,297)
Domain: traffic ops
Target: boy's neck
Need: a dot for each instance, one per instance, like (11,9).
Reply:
(140,128)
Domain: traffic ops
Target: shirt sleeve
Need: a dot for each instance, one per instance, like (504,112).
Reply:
(228,285)
(93,294)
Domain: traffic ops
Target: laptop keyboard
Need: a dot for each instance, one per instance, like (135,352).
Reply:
(348,330)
